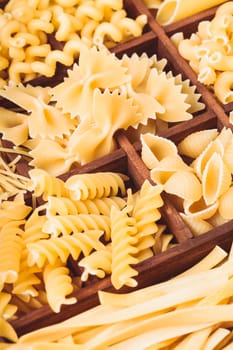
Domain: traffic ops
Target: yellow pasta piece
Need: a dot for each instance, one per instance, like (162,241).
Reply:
(184,184)
(124,240)
(48,250)
(195,143)
(167,167)
(96,185)
(216,179)
(174,10)
(10,256)
(222,87)
(42,183)
(58,285)
(155,148)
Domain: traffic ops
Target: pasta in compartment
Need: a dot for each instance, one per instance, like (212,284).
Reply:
(209,52)
(201,188)
(26,30)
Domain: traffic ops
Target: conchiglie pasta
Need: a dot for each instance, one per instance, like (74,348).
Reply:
(226,204)
(199,209)
(195,143)
(168,166)
(184,184)
(216,179)
(155,148)
(200,162)
(198,226)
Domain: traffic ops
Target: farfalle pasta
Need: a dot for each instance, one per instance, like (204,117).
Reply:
(132,93)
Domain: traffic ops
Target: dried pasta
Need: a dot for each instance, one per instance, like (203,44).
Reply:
(209,52)
(27,26)
(58,275)
(96,185)
(201,188)
(48,250)
(10,257)
(171,11)
(124,239)
(45,184)
(100,81)
(66,206)
(158,316)
(69,224)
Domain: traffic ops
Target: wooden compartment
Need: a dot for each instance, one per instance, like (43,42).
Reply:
(188,249)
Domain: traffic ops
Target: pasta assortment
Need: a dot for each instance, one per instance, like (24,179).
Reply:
(65,232)
(191,310)
(100,95)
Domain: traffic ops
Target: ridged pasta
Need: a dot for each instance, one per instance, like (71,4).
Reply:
(27,280)
(66,206)
(145,210)
(43,184)
(58,285)
(7,310)
(98,263)
(123,236)
(195,143)
(96,185)
(48,250)
(68,224)
(11,243)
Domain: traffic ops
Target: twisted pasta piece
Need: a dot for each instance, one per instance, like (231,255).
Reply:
(124,240)
(97,263)
(27,279)
(61,247)
(11,244)
(145,210)
(96,185)
(68,224)
(43,184)
(66,206)
(58,284)
(7,310)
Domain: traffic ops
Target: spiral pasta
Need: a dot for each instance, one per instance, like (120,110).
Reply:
(98,263)
(68,224)
(48,250)
(58,285)
(42,183)
(67,206)
(10,253)
(101,184)
(124,240)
